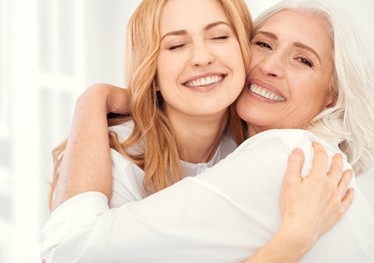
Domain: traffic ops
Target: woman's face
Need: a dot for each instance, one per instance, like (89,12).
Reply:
(290,74)
(200,70)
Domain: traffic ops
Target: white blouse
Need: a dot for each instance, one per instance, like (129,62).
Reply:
(222,215)
(128,178)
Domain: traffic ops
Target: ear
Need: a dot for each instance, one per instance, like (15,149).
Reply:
(331,101)
(332,96)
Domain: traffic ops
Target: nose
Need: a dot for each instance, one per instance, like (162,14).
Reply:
(201,55)
(272,65)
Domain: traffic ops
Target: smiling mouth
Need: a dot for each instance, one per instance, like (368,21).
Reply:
(265,93)
(205,81)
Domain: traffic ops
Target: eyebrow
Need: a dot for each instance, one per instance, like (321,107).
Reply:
(296,44)
(311,50)
(184,32)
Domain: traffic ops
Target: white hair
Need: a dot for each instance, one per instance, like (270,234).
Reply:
(351,121)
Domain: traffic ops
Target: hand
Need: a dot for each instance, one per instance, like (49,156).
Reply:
(117,99)
(313,204)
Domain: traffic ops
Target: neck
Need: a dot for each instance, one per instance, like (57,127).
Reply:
(199,138)
(253,130)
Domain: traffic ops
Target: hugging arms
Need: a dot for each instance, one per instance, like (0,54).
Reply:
(227,191)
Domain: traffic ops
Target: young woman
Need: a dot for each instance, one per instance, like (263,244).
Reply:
(225,214)
(183,76)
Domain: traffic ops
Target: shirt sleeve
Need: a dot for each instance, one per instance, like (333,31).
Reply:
(169,226)
(221,215)
(127,184)
(252,176)
(127,177)
(71,223)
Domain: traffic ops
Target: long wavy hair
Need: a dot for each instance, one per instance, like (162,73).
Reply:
(351,121)
(159,157)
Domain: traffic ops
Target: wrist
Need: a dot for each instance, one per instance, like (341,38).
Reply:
(298,239)
(95,97)
(283,247)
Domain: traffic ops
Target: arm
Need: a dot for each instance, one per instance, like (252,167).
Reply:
(299,197)
(219,216)
(86,166)
(99,232)
(292,232)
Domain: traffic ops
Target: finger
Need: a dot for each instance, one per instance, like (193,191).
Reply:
(320,160)
(347,200)
(294,166)
(344,182)
(336,168)
(119,99)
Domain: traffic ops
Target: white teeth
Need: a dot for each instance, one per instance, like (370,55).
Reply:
(204,81)
(265,93)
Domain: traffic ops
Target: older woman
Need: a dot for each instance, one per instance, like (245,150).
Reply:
(303,86)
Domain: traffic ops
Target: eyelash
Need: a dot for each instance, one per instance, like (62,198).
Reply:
(302,60)
(262,44)
(213,38)
(220,37)
(176,47)
(305,61)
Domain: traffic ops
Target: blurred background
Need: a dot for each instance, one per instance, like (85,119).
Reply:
(50,51)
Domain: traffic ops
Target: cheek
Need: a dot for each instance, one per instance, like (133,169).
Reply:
(255,60)
(242,107)
(319,92)
(163,78)
(168,62)
(236,52)
(168,69)
(228,53)
(310,103)
(162,63)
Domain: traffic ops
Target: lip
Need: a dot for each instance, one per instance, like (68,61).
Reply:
(204,75)
(264,85)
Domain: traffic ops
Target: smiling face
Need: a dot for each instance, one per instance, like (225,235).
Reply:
(290,76)
(200,69)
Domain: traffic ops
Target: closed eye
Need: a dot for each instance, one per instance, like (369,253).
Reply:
(176,47)
(220,38)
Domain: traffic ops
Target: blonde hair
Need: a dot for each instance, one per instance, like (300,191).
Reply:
(159,157)
(351,121)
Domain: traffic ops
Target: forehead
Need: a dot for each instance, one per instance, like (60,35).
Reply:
(190,14)
(298,26)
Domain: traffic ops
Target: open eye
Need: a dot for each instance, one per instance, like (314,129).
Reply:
(263,44)
(304,61)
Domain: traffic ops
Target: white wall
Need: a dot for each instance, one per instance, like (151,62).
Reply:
(360,10)
(50,51)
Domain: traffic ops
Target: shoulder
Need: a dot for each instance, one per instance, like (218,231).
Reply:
(283,136)
(277,144)
(286,140)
